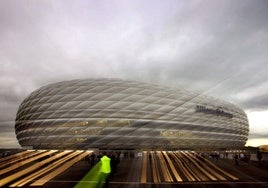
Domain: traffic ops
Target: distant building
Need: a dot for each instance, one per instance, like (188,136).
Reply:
(263,148)
(118,114)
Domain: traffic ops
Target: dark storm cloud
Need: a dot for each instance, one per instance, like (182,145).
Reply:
(216,47)
(258,135)
(222,51)
(5,126)
(256,103)
(8,138)
(232,48)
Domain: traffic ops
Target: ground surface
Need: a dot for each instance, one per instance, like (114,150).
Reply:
(129,172)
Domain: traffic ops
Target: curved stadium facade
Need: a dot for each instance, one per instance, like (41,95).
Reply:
(118,114)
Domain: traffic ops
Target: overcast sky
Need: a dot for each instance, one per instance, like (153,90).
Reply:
(217,47)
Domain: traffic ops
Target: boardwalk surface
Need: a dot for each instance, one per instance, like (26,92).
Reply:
(151,169)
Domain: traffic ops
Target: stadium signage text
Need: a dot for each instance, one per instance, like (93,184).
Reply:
(218,111)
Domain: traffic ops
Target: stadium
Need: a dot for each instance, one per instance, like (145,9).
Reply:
(120,114)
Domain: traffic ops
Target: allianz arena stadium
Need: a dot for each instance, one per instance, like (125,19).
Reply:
(119,114)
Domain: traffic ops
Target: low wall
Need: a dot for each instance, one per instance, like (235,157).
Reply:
(253,157)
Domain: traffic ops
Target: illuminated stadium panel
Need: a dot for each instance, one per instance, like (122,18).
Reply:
(118,114)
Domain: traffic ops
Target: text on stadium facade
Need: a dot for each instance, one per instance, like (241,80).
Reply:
(218,111)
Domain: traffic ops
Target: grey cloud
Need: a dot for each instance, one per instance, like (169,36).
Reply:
(8,112)
(9,97)
(9,104)
(234,59)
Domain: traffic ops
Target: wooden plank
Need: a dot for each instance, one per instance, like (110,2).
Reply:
(172,167)
(19,158)
(144,167)
(21,163)
(155,170)
(186,170)
(164,167)
(56,172)
(219,169)
(206,173)
(14,176)
(11,157)
(44,170)
(208,168)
